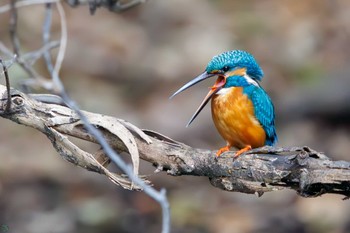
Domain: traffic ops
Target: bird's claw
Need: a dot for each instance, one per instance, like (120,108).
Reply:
(222,150)
(242,151)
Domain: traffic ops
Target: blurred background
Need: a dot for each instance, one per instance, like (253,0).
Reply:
(127,65)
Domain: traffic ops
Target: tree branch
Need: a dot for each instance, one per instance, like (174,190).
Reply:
(116,6)
(266,169)
(112,5)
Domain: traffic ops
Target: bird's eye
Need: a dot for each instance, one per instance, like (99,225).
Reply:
(225,68)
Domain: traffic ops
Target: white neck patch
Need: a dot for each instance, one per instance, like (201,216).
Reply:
(250,80)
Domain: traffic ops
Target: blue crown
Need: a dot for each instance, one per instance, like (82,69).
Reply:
(236,59)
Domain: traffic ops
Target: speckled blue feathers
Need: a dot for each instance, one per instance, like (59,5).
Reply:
(236,59)
(263,110)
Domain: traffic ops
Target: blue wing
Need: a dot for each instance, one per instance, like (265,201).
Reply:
(264,111)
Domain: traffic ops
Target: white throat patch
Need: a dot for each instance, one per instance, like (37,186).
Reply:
(249,80)
(223,91)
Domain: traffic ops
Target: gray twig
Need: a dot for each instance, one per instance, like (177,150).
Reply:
(16,44)
(46,36)
(13,28)
(58,87)
(112,5)
(8,87)
(33,56)
(55,84)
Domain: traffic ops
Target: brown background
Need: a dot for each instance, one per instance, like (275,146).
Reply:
(127,66)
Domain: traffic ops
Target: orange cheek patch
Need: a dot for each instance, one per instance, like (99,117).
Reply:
(237,72)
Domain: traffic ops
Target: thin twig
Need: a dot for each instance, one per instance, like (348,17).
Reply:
(112,5)
(57,84)
(124,6)
(116,7)
(46,36)
(7,7)
(158,196)
(33,56)
(8,86)
(15,42)
(13,28)
(63,43)
(58,87)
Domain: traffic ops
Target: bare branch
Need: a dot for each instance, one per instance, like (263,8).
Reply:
(13,28)
(26,110)
(61,142)
(15,40)
(16,44)
(308,172)
(33,56)
(267,169)
(25,3)
(7,80)
(126,137)
(46,36)
(57,85)
(63,41)
(112,5)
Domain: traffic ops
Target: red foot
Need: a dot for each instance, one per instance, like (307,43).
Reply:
(222,150)
(241,151)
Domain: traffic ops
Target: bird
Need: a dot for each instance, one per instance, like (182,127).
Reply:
(242,111)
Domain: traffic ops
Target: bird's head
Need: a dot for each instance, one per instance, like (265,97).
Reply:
(233,68)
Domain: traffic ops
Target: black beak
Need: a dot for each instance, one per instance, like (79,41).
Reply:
(220,82)
(194,81)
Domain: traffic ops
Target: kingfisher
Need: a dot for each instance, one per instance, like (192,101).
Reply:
(242,111)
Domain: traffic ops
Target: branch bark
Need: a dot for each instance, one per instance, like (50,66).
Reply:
(112,5)
(266,169)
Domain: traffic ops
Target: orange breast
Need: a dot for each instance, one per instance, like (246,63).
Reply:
(233,115)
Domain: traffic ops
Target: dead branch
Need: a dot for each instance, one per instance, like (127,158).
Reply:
(116,6)
(112,5)
(304,170)
(61,143)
